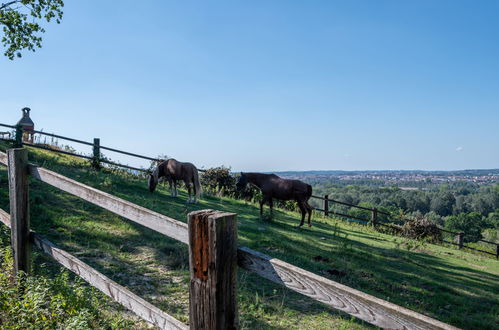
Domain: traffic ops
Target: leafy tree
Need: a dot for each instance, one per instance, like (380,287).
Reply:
(493,219)
(21,20)
(442,203)
(471,224)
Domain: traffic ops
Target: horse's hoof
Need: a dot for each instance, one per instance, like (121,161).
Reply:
(309,226)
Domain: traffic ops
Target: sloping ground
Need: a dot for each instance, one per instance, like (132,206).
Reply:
(452,286)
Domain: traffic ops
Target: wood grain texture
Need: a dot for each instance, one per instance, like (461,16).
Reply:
(125,297)
(5,218)
(3,158)
(150,219)
(212,265)
(19,208)
(354,302)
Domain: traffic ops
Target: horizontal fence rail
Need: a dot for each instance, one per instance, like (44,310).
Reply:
(354,302)
(374,220)
(120,294)
(150,219)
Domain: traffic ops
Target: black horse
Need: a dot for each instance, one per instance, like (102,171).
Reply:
(273,186)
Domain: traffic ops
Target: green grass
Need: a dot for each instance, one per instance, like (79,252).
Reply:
(453,286)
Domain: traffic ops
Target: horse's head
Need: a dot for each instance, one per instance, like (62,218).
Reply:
(241,182)
(153,182)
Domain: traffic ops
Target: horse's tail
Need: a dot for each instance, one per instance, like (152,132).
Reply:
(195,177)
(309,191)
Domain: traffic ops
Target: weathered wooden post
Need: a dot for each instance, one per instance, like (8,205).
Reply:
(497,251)
(326,205)
(18,142)
(460,240)
(96,154)
(374,217)
(212,264)
(19,208)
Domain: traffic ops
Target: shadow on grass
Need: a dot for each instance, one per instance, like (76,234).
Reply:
(452,293)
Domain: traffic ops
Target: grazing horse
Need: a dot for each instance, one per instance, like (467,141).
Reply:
(273,186)
(174,170)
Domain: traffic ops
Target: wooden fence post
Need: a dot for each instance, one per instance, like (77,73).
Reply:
(374,217)
(212,264)
(326,205)
(497,251)
(18,142)
(19,208)
(96,154)
(460,240)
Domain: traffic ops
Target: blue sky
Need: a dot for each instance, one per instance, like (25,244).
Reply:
(270,85)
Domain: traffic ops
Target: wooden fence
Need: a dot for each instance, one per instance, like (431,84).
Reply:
(97,158)
(374,220)
(213,256)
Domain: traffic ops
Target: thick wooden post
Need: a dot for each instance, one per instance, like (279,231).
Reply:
(96,154)
(19,208)
(326,205)
(460,240)
(18,142)
(374,217)
(212,264)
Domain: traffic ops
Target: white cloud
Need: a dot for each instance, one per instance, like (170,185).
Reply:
(459,149)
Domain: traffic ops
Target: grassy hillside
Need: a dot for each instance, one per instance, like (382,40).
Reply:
(453,286)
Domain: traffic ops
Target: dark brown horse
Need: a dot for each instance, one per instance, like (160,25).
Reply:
(273,186)
(173,170)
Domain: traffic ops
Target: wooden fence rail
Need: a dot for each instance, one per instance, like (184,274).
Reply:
(125,297)
(220,291)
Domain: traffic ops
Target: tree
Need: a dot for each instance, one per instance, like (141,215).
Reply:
(471,224)
(442,203)
(21,33)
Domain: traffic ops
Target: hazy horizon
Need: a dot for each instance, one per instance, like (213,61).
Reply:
(270,86)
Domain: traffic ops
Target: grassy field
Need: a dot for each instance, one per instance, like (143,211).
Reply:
(455,287)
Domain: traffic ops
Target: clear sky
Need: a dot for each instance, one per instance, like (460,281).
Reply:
(270,85)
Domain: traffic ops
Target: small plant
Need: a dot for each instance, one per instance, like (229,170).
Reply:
(39,302)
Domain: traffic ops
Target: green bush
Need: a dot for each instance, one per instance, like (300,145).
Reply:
(218,181)
(39,302)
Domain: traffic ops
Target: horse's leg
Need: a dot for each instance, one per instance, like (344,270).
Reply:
(194,190)
(175,192)
(309,210)
(264,199)
(302,210)
(188,186)
(271,204)
(170,181)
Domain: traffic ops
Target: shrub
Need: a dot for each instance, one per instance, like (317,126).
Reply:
(422,228)
(219,181)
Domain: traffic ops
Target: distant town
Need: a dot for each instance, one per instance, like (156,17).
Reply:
(410,178)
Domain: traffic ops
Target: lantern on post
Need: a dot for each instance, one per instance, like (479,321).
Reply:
(27,126)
